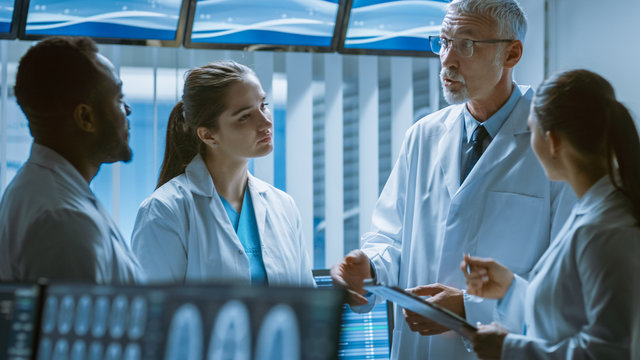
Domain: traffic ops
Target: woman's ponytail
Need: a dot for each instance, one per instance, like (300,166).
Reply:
(182,145)
(624,151)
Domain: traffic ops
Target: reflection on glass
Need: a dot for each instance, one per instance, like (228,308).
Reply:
(118,317)
(61,351)
(185,334)
(231,337)
(79,350)
(279,337)
(83,315)
(114,352)
(100,315)
(137,317)
(65,315)
(50,312)
(44,350)
(95,351)
(132,352)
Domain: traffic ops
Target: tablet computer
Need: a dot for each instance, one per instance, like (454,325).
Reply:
(422,307)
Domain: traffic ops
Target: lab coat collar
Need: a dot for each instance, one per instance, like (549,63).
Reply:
(593,197)
(48,158)
(507,139)
(201,183)
(499,148)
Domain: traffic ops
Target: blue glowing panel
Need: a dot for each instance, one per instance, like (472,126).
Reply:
(402,25)
(6,15)
(132,19)
(269,22)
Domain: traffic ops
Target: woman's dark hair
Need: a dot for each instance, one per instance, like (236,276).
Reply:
(204,99)
(582,106)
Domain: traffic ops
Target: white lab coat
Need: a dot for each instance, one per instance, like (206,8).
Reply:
(183,233)
(425,219)
(579,303)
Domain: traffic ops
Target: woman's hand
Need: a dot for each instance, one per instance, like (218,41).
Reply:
(488,340)
(485,277)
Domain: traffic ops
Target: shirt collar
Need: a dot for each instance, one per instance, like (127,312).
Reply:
(593,197)
(494,123)
(48,158)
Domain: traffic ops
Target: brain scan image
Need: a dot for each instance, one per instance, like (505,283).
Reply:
(137,318)
(65,314)
(231,336)
(79,350)
(118,317)
(100,317)
(185,334)
(83,315)
(279,336)
(50,312)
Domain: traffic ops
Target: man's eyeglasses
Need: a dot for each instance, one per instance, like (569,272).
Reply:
(464,47)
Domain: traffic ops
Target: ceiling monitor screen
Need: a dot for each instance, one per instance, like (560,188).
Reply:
(141,22)
(392,27)
(8,18)
(292,25)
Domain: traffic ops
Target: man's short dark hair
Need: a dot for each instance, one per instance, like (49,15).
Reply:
(54,76)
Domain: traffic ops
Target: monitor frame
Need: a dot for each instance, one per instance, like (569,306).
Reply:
(41,285)
(15,22)
(187,43)
(176,42)
(360,51)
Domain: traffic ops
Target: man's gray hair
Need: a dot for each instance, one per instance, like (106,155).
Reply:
(511,21)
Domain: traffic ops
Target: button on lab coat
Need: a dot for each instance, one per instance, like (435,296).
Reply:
(425,219)
(182,233)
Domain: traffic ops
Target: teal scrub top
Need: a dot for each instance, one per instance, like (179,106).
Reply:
(246,228)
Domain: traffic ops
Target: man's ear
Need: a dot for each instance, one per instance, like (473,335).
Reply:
(206,135)
(84,118)
(514,54)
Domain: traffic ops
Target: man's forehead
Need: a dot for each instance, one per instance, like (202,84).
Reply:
(458,24)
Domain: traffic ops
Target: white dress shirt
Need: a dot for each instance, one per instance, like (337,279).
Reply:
(54,227)
(579,303)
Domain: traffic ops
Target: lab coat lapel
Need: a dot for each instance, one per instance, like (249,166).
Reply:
(449,150)
(259,205)
(507,139)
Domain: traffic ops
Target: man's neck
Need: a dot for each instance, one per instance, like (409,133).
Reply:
(483,109)
(78,158)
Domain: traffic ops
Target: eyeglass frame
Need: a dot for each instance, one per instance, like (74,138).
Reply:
(473,43)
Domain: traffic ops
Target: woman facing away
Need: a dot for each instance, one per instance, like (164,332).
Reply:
(579,301)
(209,218)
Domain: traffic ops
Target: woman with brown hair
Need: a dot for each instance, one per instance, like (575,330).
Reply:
(210,219)
(579,299)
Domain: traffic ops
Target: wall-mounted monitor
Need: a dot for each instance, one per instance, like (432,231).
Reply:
(136,22)
(284,25)
(9,15)
(391,27)
(19,320)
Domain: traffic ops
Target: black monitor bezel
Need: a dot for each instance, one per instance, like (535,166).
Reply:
(15,22)
(351,51)
(176,42)
(263,47)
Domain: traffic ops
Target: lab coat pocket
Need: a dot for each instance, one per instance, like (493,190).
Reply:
(512,231)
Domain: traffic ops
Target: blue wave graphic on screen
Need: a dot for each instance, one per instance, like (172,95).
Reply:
(280,22)
(138,19)
(394,25)
(6,15)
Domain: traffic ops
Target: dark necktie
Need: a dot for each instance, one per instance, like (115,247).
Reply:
(477,138)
